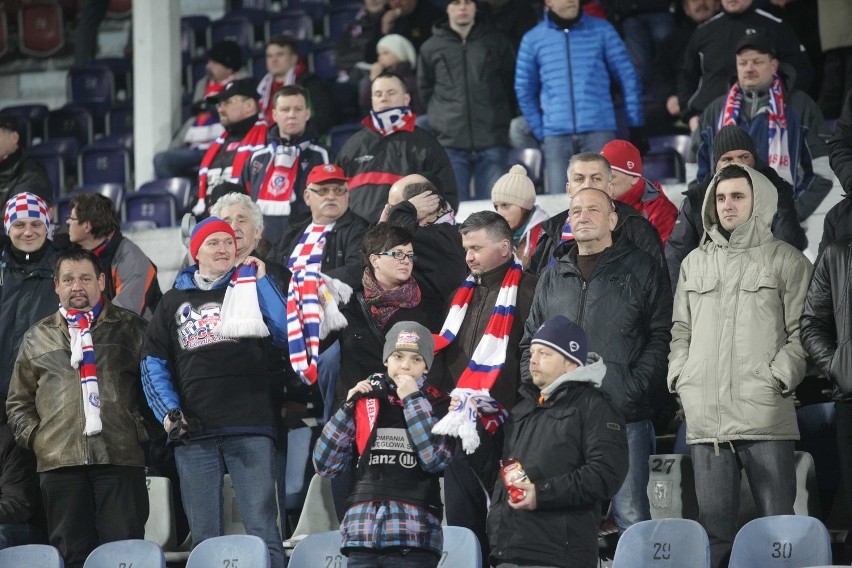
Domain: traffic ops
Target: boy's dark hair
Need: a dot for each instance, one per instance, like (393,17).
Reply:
(391,75)
(732,171)
(98,210)
(76,253)
(292,91)
(494,225)
(284,40)
(383,237)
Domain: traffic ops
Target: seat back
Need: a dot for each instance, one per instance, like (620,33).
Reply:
(35,115)
(157,206)
(319,550)
(338,17)
(531,159)
(235,28)
(461,548)
(338,135)
(92,83)
(318,514)
(665,166)
(55,168)
(315,9)
(671,487)
(674,543)
(323,60)
(41,29)
(230,550)
(179,187)
(783,541)
(680,143)
(97,164)
(70,121)
(127,553)
(296,24)
(232,521)
(66,149)
(31,556)
(160,526)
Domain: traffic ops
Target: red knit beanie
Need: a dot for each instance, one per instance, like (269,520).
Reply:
(206,228)
(624,157)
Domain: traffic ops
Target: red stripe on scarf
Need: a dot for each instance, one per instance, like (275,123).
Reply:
(366,415)
(256,136)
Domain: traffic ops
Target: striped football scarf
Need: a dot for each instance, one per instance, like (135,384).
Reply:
(83,359)
(254,140)
(308,251)
(240,315)
(778,155)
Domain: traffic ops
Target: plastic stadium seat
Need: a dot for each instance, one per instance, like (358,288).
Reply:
(194,29)
(319,550)
(91,84)
(324,62)
(338,17)
(122,71)
(55,169)
(66,148)
(315,9)
(680,143)
(318,514)
(160,526)
(671,487)
(104,164)
(41,30)
(119,119)
(63,204)
(666,166)
(461,548)
(338,135)
(783,541)
(180,188)
(72,121)
(34,114)
(235,28)
(296,24)
(531,159)
(230,550)
(31,556)
(127,553)
(676,543)
(157,206)
(807,492)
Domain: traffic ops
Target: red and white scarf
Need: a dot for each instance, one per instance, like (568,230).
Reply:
(390,120)
(778,153)
(309,249)
(83,359)
(254,140)
(275,194)
(486,362)
(205,125)
(240,315)
(268,86)
(532,230)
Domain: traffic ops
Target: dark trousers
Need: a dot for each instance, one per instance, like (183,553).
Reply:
(88,506)
(844,454)
(465,500)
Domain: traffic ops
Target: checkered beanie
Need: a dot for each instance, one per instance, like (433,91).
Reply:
(25,206)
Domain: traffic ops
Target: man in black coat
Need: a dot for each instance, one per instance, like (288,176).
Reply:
(18,172)
(837,224)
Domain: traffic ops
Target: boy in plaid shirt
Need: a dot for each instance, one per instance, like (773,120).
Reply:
(384,431)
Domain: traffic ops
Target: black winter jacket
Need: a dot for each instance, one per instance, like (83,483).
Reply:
(841,147)
(373,162)
(826,331)
(18,173)
(26,296)
(468,86)
(688,229)
(341,256)
(579,425)
(632,226)
(625,309)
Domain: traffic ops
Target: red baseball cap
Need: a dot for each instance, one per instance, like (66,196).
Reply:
(326,172)
(623,156)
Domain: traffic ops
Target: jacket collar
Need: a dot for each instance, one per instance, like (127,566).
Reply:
(185,281)
(754,232)
(495,276)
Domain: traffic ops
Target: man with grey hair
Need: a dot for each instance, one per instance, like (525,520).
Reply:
(589,170)
(415,203)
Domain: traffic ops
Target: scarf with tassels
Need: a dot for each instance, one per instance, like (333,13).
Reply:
(254,140)
(390,120)
(472,398)
(778,155)
(312,313)
(384,303)
(83,359)
(240,315)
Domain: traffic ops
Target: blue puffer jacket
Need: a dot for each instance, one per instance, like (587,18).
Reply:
(562,78)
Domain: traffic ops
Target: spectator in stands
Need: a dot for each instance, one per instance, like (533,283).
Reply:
(412,19)
(26,277)
(631,187)
(284,69)
(20,173)
(731,145)
(825,336)
(395,54)
(837,225)
(131,277)
(464,58)
(590,170)
(736,357)
(383,435)
(487,314)
(198,132)
(708,62)
(355,48)
(21,511)
(794,144)
(89,19)
(209,387)
(275,175)
(628,325)
(513,18)
(245,133)
(562,81)
(563,411)
(836,44)
(389,147)
(88,450)
(514,199)
(413,202)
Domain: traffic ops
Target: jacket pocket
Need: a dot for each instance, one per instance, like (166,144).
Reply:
(763,282)
(701,284)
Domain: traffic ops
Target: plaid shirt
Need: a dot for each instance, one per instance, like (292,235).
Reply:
(386,524)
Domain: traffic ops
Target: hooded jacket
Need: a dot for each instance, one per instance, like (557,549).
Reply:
(740,299)
(578,423)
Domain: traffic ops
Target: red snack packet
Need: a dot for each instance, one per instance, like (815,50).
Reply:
(511,470)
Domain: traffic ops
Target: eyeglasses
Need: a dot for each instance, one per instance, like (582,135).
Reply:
(72,219)
(398,255)
(323,190)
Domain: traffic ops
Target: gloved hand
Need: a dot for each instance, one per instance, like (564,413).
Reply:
(639,139)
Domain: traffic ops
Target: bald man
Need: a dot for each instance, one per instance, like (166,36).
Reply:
(415,202)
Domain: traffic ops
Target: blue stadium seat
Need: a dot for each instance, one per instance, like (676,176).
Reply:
(673,543)
(93,83)
(319,550)
(104,164)
(122,71)
(323,61)
(35,115)
(119,119)
(680,143)
(72,121)
(31,556)
(297,24)
(338,135)
(338,17)
(66,148)
(63,204)
(783,541)
(531,159)
(55,168)
(127,553)
(315,9)
(153,205)
(258,64)
(238,549)
(235,28)
(194,30)
(180,188)
(461,548)
(666,166)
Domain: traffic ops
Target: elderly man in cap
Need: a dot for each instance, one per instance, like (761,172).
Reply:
(550,515)
(201,377)
(245,133)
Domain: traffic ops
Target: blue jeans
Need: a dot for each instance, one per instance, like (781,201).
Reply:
(486,165)
(180,162)
(771,470)
(251,462)
(630,505)
(557,152)
(298,454)
(645,36)
(404,558)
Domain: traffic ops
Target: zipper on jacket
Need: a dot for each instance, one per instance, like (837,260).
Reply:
(467,103)
(582,311)
(571,81)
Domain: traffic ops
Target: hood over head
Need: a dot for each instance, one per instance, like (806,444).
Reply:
(758,228)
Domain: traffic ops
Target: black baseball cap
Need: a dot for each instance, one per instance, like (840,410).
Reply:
(757,41)
(244,87)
